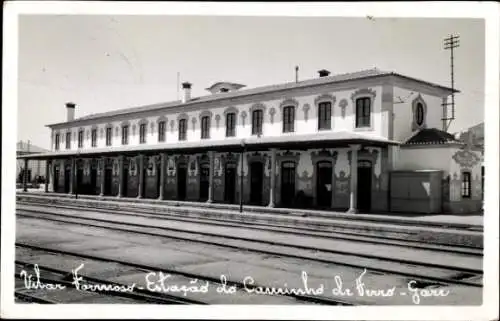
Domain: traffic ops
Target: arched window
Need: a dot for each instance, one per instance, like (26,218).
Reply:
(205,127)
(288,119)
(324,116)
(109,133)
(142,133)
(57,141)
(162,127)
(68,140)
(231,124)
(419,114)
(125,135)
(80,138)
(257,119)
(182,128)
(93,137)
(363,110)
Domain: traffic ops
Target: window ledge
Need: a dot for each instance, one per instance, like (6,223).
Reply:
(363,129)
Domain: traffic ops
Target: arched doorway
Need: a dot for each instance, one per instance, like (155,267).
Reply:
(108,179)
(125,175)
(324,184)
(287,183)
(204,181)
(67,178)
(181,181)
(364,186)
(93,177)
(79,177)
(230,182)
(56,179)
(256,182)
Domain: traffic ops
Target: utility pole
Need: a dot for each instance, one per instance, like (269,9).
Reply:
(450,43)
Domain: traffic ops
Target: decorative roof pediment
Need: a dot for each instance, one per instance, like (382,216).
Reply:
(223,86)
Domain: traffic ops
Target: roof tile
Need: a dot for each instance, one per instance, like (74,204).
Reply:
(257,90)
(430,136)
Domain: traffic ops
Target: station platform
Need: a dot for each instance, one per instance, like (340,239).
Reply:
(436,229)
(457,220)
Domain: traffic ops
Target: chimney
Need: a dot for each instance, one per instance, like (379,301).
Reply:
(323,72)
(70,111)
(186,87)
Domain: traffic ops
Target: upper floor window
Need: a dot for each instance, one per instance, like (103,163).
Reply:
(125,135)
(93,138)
(205,127)
(142,133)
(68,140)
(108,136)
(230,125)
(57,141)
(161,131)
(182,129)
(80,138)
(363,112)
(325,116)
(288,119)
(419,114)
(466,185)
(257,118)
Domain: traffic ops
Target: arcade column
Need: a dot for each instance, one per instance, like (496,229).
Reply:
(47,175)
(103,167)
(211,177)
(140,172)
(354,178)
(120,176)
(273,178)
(162,173)
(72,184)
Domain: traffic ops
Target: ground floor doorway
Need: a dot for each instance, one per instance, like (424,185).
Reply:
(324,184)
(364,186)
(256,182)
(287,183)
(230,183)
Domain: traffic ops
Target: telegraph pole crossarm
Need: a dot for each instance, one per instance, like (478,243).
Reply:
(451,43)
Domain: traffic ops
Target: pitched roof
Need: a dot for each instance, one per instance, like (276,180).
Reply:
(369,73)
(431,136)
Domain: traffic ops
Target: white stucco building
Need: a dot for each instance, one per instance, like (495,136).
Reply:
(330,142)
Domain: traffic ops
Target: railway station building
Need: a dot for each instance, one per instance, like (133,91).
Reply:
(367,141)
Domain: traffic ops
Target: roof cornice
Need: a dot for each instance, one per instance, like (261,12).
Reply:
(229,98)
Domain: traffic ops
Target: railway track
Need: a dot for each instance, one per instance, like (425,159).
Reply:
(23,297)
(177,205)
(455,275)
(140,293)
(303,230)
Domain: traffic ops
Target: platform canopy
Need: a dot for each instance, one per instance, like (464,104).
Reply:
(255,143)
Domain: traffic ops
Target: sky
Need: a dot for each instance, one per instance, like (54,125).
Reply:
(109,62)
